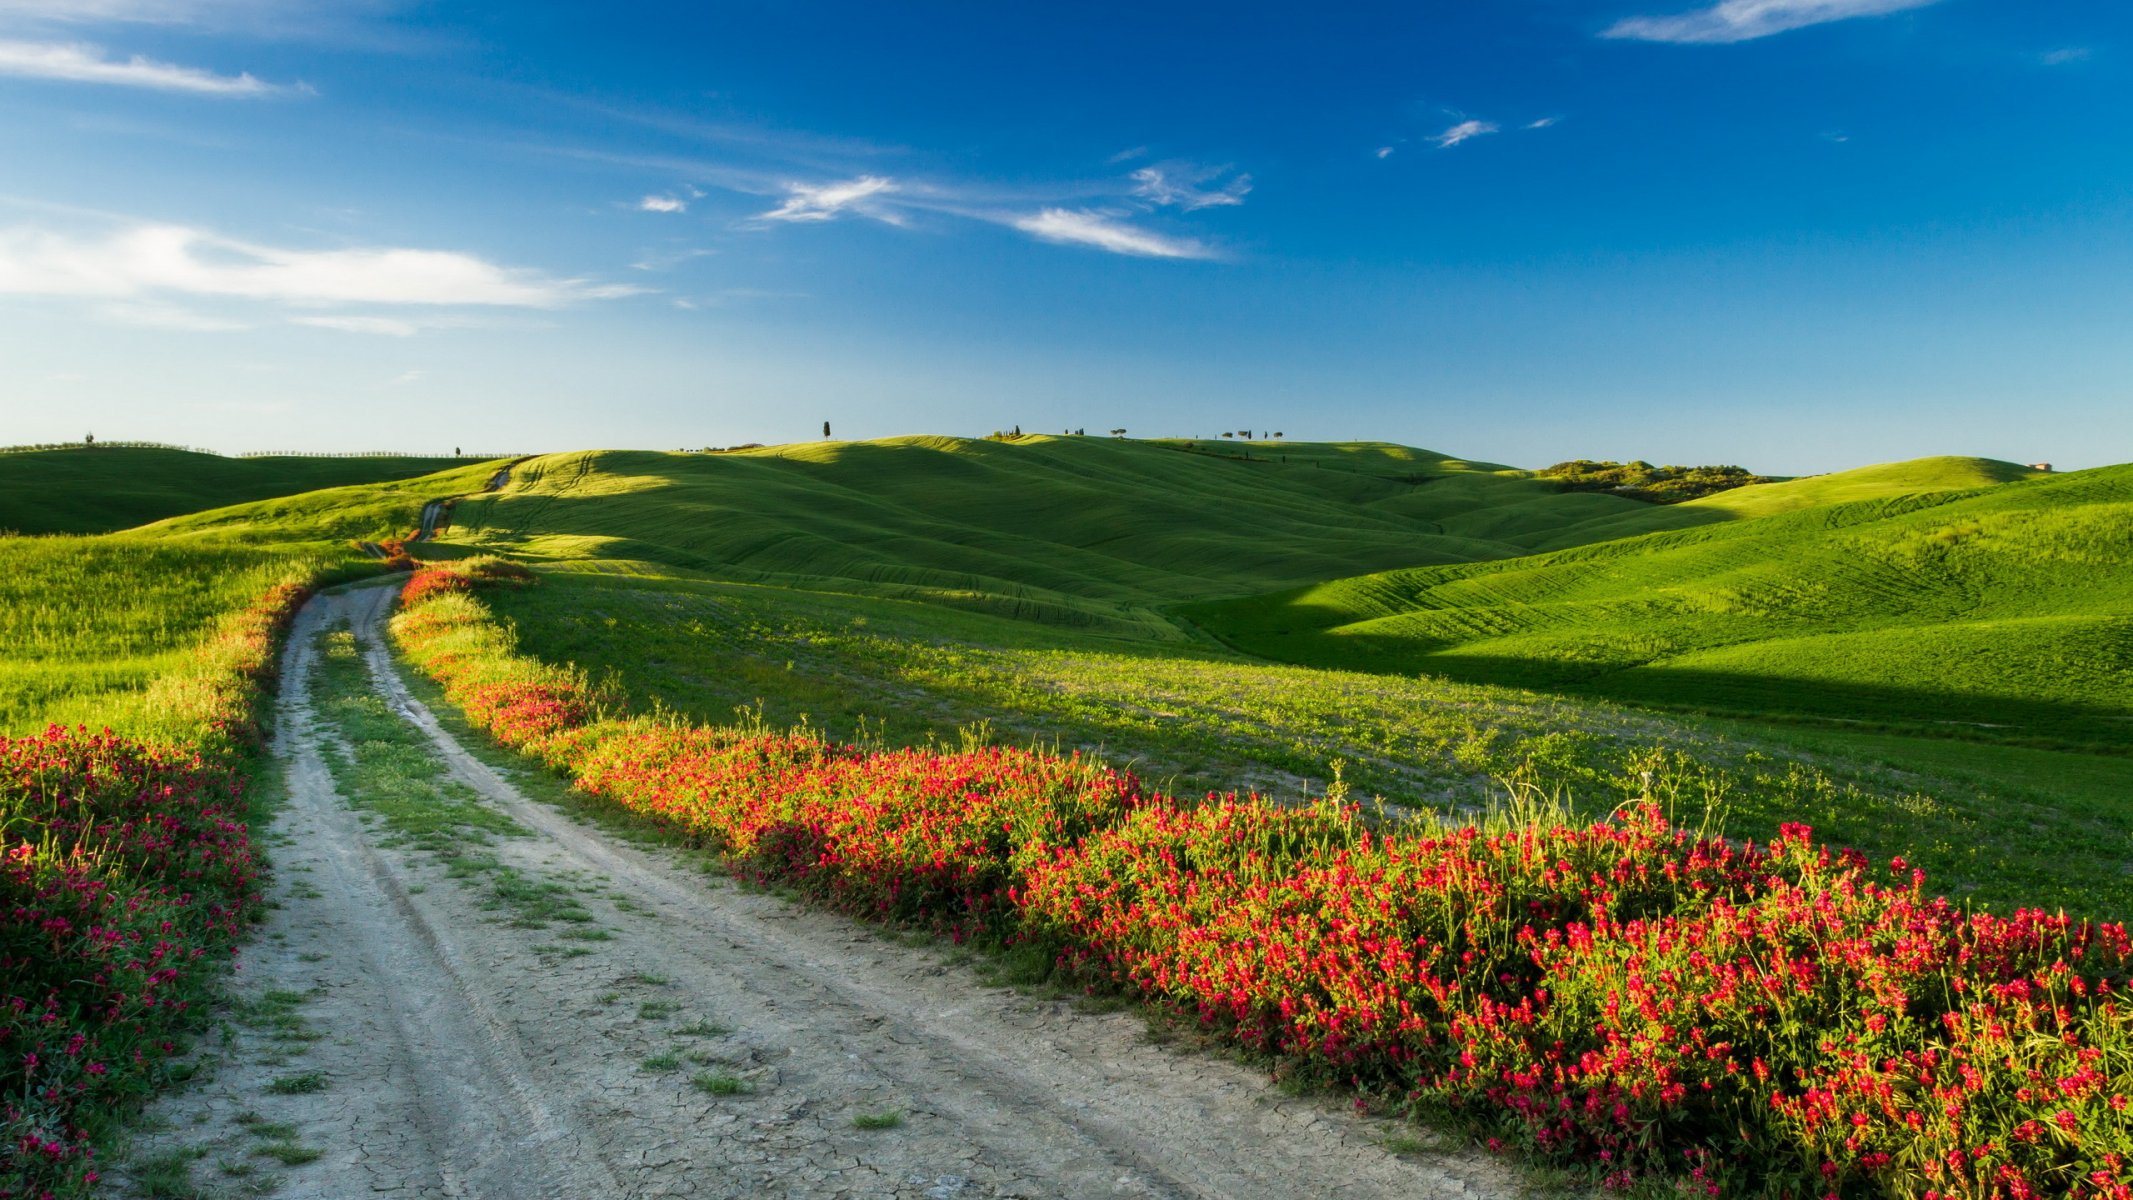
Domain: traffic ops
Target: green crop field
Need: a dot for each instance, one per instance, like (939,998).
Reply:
(2000,609)
(101,489)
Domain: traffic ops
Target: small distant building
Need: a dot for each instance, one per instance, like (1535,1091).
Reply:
(2046,467)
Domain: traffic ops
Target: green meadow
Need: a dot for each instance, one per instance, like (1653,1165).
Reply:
(1998,610)
(1441,633)
(103,489)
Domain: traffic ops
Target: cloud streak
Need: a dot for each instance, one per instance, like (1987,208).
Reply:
(807,202)
(1464,131)
(663,204)
(77,62)
(1745,20)
(1080,227)
(1171,184)
(152,260)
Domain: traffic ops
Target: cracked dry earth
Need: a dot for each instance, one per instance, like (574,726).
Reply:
(696,1040)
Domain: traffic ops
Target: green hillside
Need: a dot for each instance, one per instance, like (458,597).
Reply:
(2005,609)
(1919,475)
(101,489)
(1076,531)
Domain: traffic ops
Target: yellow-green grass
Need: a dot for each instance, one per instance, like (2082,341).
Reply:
(1086,532)
(1916,476)
(2005,610)
(329,517)
(89,625)
(1194,718)
(99,489)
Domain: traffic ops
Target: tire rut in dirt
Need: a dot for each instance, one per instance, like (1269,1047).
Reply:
(1030,1097)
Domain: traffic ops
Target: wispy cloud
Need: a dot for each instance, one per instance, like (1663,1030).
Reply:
(170,317)
(379,326)
(147,12)
(148,260)
(1744,20)
(1544,123)
(2071,54)
(663,204)
(667,260)
(1106,232)
(75,62)
(1180,185)
(1464,131)
(809,202)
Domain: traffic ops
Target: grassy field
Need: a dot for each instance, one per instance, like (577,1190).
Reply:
(98,630)
(95,489)
(88,626)
(1990,822)
(1084,532)
(2000,610)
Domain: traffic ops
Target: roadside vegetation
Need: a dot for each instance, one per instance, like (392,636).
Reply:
(1629,996)
(129,875)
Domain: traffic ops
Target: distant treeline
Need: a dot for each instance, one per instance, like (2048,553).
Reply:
(29,449)
(368,454)
(1641,480)
(43,446)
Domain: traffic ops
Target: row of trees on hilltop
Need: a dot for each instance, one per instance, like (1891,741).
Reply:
(1641,480)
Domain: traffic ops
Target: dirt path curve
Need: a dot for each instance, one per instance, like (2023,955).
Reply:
(469,1058)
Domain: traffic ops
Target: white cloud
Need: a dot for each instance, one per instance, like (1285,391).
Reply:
(404,378)
(808,203)
(1084,228)
(1544,123)
(2071,54)
(381,326)
(171,317)
(1180,185)
(1743,20)
(145,260)
(1384,152)
(662,204)
(1464,131)
(151,12)
(74,62)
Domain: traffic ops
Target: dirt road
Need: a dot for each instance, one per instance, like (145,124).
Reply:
(421,1046)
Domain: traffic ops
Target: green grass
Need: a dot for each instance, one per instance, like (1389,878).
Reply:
(719,1083)
(1991,822)
(2000,611)
(102,489)
(881,1120)
(1084,533)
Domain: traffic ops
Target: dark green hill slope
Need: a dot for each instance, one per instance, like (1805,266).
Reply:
(102,489)
(2007,608)
(1079,531)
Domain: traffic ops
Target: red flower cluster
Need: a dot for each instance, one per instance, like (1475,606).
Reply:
(1778,1020)
(126,874)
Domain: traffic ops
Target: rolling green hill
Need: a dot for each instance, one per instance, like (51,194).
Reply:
(2006,609)
(102,489)
(1076,531)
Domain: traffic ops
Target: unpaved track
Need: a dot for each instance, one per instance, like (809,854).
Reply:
(467,1058)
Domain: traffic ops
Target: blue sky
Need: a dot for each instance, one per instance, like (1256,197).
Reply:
(1797,235)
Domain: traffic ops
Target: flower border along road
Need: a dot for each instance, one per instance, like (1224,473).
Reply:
(1659,1009)
(127,875)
